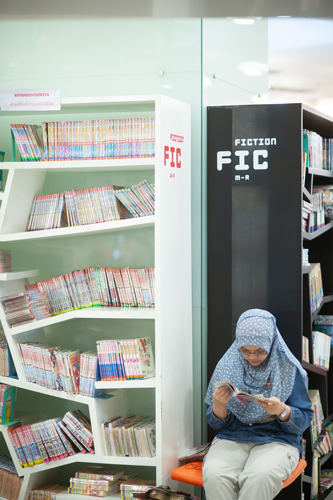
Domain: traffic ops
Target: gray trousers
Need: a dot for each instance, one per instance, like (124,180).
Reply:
(247,471)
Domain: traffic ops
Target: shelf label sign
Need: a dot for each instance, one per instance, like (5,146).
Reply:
(173,152)
(30,99)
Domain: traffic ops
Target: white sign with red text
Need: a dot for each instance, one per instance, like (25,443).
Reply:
(173,153)
(30,99)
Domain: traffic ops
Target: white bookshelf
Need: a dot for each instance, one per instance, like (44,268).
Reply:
(171,320)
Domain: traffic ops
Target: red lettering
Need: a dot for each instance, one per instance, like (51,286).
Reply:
(178,154)
(166,156)
(172,150)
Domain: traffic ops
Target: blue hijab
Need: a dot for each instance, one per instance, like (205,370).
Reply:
(274,377)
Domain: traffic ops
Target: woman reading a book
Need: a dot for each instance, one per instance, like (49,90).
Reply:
(258,444)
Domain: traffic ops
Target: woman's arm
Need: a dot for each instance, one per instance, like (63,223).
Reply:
(217,414)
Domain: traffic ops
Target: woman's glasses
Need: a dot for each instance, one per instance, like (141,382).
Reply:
(255,353)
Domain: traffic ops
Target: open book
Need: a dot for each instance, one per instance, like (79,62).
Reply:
(244,397)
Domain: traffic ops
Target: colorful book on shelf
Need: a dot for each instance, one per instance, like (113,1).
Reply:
(321,349)
(47,492)
(316,287)
(318,415)
(7,404)
(305,350)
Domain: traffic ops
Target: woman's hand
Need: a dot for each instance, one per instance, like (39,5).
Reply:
(274,406)
(221,397)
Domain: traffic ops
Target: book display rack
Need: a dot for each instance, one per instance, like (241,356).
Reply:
(161,241)
(255,239)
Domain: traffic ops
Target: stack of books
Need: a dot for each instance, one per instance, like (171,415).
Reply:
(4,360)
(326,479)
(46,492)
(52,439)
(125,359)
(86,140)
(318,416)
(91,206)
(324,323)
(5,261)
(98,287)
(10,482)
(132,486)
(89,370)
(307,210)
(131,436)
(25,307)
(321,349)
(316,287)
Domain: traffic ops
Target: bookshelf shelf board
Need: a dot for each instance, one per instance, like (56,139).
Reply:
(319,232)
(306,269)
(102,227)
(112,165)
(22,384)
(307,194)
(328,298)
(325,458)
(89,313)
(88,458)
(19,275)
(327,420)
(306,479)
(127,384)
(315,369)
(320,172)
(70,496)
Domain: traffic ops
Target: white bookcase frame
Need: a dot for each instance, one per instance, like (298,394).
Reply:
(172,315)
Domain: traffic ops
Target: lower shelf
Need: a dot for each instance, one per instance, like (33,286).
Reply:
(69,496)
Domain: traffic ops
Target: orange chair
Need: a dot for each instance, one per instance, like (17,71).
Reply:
(192,473)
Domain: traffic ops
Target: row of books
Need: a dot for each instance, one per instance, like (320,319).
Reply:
(325,443)
(321,349)
(316,287)
(98,286)
(24,307)
(319,150)
(125,359)
(317,215)
(5,358)
(91,206)
(86,140)
(52,439)
(324,323)
(47,492)
(318,415)
(131,436)
(65,370)
(5,261)
(305,257)
(10,482)
(307,209)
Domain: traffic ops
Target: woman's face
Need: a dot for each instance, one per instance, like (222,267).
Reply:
(253,354)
